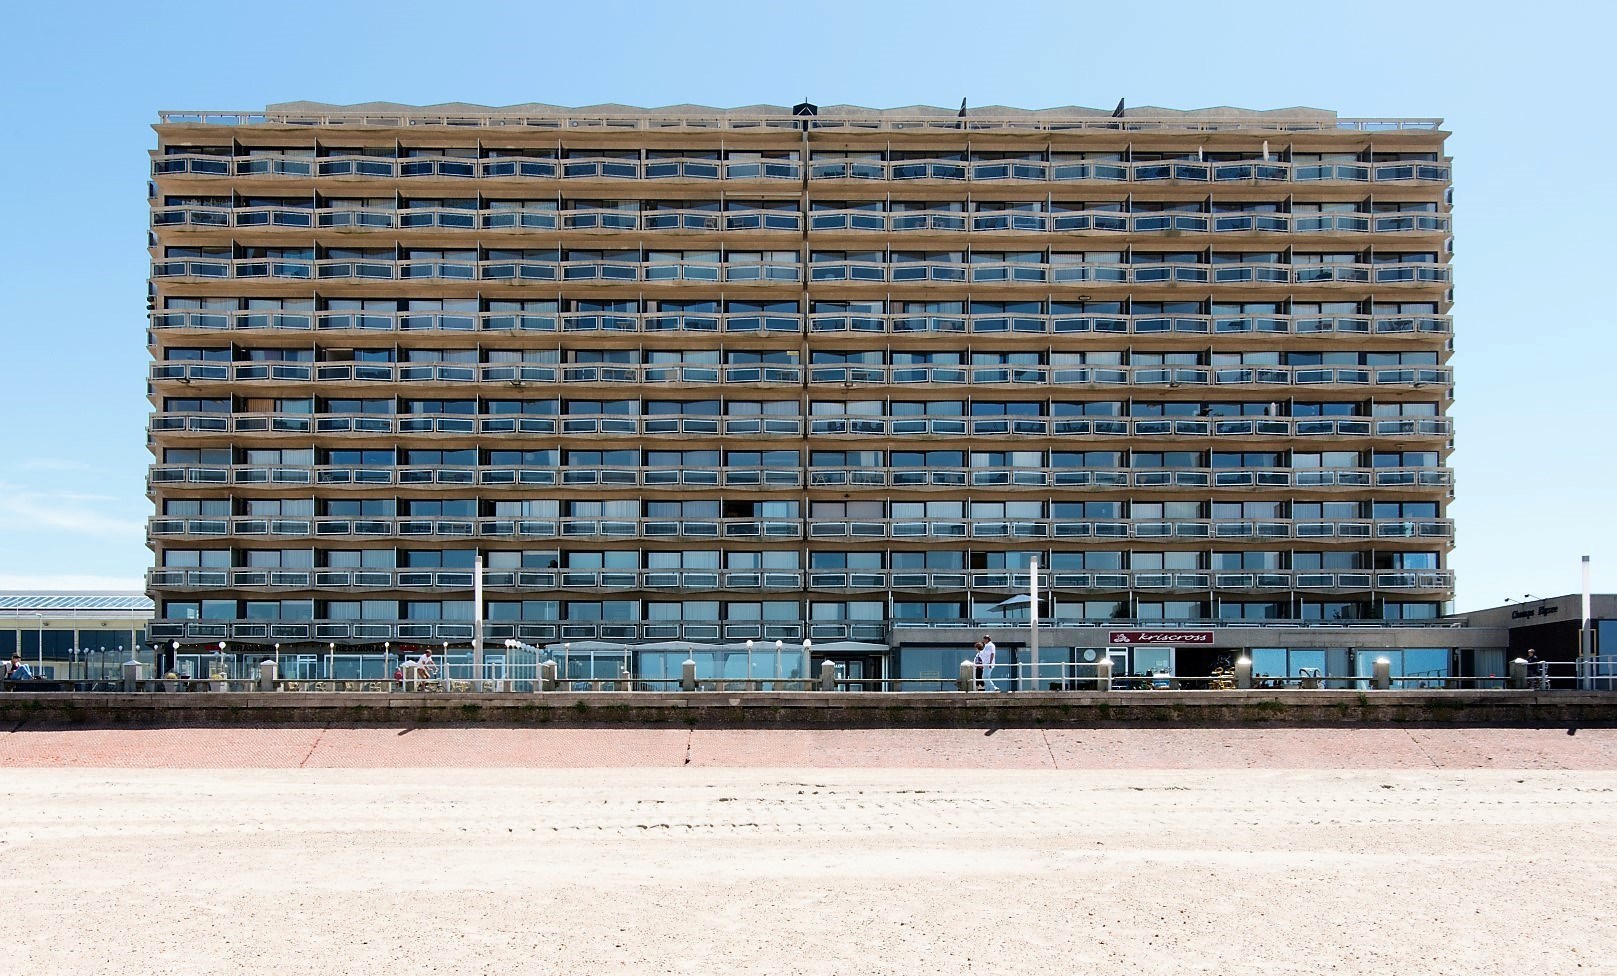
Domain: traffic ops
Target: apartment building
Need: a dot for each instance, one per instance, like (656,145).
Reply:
(721,382)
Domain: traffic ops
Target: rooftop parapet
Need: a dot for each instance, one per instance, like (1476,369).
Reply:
(829,117)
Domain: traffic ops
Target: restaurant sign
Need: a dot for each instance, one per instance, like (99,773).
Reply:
(1160,637)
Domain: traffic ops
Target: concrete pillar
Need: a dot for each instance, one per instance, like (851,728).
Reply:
(1518,673)
(828,676)
(1382,670)
(1103,674)
(131,675)
(266,675)
(967,681)
(687,675)
(1243,672)
(547,676)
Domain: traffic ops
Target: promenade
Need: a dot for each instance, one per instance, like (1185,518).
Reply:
(938,851)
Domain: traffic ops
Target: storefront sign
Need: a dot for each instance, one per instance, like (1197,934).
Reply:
(1160,637)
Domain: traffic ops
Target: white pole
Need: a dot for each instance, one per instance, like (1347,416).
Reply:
(776,686)
(808,668)
(477,623)
(750,673)
(1033,629)
(1585,641)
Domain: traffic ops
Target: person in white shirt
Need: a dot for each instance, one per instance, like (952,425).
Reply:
(985,662)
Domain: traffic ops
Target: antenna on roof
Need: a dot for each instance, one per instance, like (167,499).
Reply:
(1117,113)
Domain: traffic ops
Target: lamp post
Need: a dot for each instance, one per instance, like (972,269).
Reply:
(174,658)
(277,659)
(749,662)
(566,655)
(331,657)
(222,659)
(387,652)
(808,666)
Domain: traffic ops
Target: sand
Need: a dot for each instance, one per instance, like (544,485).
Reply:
(703,869)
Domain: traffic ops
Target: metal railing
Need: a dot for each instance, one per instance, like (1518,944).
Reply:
(828,425)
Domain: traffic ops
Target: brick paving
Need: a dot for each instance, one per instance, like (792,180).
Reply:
(958,748)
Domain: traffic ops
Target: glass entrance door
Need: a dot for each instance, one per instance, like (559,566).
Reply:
(855,672)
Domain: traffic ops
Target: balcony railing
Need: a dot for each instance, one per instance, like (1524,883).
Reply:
(163,527)
(1243,479)
(841,425)
(461,425)
(457,476)
(748,374)
(999,324)
(1172,376)
(514,271)
(791,375)
(1059,580)
(1017,221)
(1131,427)
(453,476)
(459,167)
(983,324)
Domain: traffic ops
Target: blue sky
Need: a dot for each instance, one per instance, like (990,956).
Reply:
(1517,84)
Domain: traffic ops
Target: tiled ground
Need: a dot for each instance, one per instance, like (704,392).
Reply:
(479,747)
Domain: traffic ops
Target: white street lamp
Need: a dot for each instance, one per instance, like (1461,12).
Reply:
(749,662)
(777,666)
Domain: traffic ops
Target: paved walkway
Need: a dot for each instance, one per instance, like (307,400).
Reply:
(1072,749)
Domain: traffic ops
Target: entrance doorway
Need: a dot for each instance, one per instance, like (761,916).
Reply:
(855,672)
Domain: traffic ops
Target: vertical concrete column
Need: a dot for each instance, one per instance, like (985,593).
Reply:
(1382,670)
(967,681)
(266,675)
(687,675)
(1103,674)
(1243,672)
(131,675)
(828,676)
(1518,673)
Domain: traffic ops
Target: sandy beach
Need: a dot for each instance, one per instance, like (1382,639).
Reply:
(809,870)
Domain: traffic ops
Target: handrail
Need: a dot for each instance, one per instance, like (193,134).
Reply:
(858,425)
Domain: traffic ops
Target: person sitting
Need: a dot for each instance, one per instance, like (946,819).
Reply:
(18,671)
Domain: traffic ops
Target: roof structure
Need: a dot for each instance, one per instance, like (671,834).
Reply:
(15,602)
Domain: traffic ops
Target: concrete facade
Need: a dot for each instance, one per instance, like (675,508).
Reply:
(693,376)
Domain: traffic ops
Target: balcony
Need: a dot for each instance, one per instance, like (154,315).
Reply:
(1106,376)
(515,272)
(460,426)
(459,632)
(1243,479)
(1130,427)
(1314,325)
(1028,170)
(1141,171)
(686,581)
(752,323)
(750,528)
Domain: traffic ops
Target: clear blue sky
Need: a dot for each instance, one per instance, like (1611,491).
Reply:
(1525,89)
